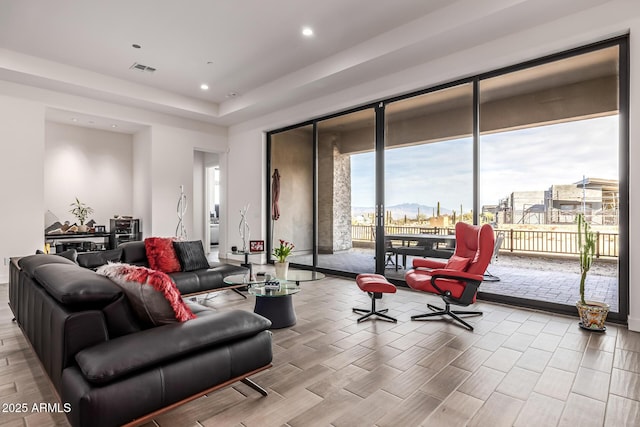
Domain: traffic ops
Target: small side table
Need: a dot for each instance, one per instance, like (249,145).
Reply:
(246,263)
(275,304)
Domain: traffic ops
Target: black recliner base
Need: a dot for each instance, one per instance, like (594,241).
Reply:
(438,311)
(368,313)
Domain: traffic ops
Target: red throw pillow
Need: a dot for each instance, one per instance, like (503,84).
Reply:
(458,263)
(161,254)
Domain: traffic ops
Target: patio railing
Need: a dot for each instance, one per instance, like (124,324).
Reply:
(537,241)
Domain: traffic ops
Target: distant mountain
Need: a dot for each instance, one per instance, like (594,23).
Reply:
(399,211)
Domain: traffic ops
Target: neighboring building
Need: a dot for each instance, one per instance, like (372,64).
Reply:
(597,198)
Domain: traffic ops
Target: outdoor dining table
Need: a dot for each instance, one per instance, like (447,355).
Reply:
(427,245)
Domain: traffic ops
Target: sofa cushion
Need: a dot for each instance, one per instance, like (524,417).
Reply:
(121,319)
(161,254)
(70,284)
(191,255)
(134,253)
(200,281)
(153,296)
(96,259)
(29,263)
(70,254)
(124,356)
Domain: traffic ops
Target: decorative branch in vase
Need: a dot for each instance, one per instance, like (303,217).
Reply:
(243,228)
(181,209)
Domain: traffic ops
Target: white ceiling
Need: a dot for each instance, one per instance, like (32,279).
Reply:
(253,48)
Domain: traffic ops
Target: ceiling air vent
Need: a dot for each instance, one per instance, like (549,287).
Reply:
(140,67)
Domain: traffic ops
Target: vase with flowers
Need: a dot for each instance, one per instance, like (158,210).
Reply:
(281,253)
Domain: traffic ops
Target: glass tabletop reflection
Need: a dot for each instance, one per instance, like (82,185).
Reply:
(268,285)
(298,276)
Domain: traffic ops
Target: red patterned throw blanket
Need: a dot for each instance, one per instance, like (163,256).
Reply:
(152,293)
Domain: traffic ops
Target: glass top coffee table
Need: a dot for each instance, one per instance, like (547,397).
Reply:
(275,303)
(298,276)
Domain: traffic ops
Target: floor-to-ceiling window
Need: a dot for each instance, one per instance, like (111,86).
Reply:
(343,195)
(523,149)
(291,211)
(428,173)
(549,150)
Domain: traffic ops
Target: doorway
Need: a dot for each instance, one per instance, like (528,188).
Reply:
(212,204)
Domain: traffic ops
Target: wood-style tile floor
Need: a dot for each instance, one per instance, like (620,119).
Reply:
(518,368)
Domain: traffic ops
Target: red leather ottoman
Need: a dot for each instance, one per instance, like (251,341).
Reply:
(375,285)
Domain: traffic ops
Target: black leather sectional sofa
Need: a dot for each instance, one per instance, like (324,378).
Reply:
(188,282)
(105,365)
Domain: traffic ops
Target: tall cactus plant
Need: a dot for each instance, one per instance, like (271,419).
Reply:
(587,247)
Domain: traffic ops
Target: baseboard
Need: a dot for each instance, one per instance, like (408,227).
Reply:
(633,323)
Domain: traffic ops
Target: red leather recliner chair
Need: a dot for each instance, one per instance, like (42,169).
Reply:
(458,279)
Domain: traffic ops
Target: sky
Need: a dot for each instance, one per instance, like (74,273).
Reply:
(522,160)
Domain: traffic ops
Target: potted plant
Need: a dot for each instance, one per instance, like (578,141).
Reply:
(592,314)
(81,211)
(281,253)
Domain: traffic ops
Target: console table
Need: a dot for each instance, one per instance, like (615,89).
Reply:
(49,238)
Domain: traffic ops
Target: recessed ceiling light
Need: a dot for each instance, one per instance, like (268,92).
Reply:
(204,86)
(136,46)
(232,94)
(73,119)
(307,32)
(114,126)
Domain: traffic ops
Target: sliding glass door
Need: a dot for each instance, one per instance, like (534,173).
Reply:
(524,149)
(549,150)
(428,158)
(346,192)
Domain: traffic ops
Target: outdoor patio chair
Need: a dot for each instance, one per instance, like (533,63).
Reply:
(457,280)
(389,250)
(488,277)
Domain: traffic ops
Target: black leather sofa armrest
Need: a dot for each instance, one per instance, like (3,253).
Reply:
(122,356)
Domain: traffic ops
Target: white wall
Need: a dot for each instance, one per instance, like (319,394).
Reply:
(142,179)
(98,167)
(246,159)
(93,165)
(244,184)
(172,166)
(162,160)
(22,175)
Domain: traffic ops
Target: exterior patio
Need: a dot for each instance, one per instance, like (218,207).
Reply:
(533,277)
